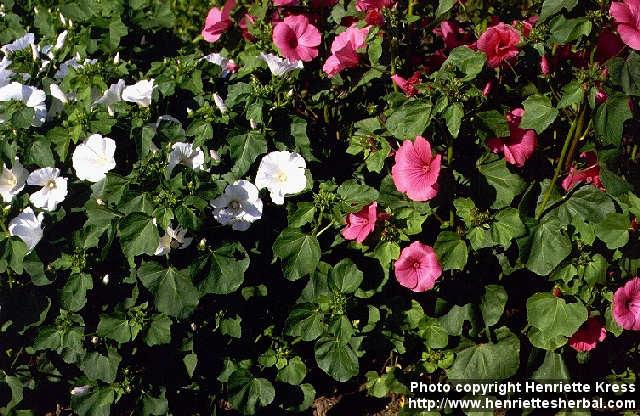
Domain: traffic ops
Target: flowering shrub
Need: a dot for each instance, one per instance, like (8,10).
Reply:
(271,207)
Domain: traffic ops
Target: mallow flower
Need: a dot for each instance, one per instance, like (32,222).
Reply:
(589,335)
(111,96)
(589,174)
(417,268)
(12,180)
(94,158)
(279,66)
(239,205)
(627,15)
(520,145)
(139,93)
(185,154)
(344,50)
(30,96)
(416,170)
(499,43)
(296,38)
(28,227)
(626,305)
(362,223)
(217,21)
(53,191)
(173,239)
(282,173)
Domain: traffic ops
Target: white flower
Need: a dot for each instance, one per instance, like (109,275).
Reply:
(219,103)
(239,205)
(94,158)
(184,153)
(79,390)
(139,93)
(12,180)
(280,66)
(30,96)
(105,279)
(56,92)
(221,61)
(111,96)
(28,227)
(53,191)
(5,73)
(58,103)
(282,173)
(214,155)
(173,239)
(60,40)
(19,44)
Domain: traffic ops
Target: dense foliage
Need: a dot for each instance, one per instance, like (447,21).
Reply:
(193,224)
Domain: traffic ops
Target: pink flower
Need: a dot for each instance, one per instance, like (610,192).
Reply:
(247,21)
(626,305)
(499,43)
(627,15)
(366,5)
(374,18)
(601,96)
(344,50)
(545,65)
(408,86)
(588,336)
(296,38)
(609,45)
(416,170)
(590,174)
(217,22)
(520,145)
(361,223)
(452,34)
(487,88)
(285,2)
(418,267)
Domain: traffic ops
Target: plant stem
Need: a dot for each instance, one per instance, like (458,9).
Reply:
(556,173)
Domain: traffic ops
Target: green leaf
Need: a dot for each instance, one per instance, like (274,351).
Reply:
(355,195)
(572,94)
(553,316)
(299,252)
(610,117)
(232,327)
(493,303)
(345,277)
(410,120)
(549,247)
(453,116)
(587,204)
(245,149)
(190,362)
(451,250)
(551,7)
(115,327)
(95,403)
(565,30)
(614,230)
(305,321)
(117,30)
(227,266)
(98,367)
(630,75)
(138,234)
(467,60)
(247,393)
(74,292)
(444,6)
(507,185)
(174,293)
(506,226)
(539,113)
(489,361)
(294,372)
(454,320)
(433,334)
(336,358)
(552,368)
(39,153)
(159,331)
(496,122)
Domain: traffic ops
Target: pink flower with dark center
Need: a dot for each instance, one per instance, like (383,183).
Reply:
(408,86)
(626,305)
(296,38)
(418,267)
(361,223)
(520,145)
(499,43)
(217,22)
(416,170)
(452,34)
(588,336)
(344,50)
(590,174)
(627,15)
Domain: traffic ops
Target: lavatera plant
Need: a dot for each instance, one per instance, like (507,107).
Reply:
(296,207)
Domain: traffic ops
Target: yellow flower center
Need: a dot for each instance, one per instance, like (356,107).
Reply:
(51,184)
(282,177)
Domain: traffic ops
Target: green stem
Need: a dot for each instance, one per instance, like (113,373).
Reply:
(315,229)
(450,164)
(325,229)
(558,169)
